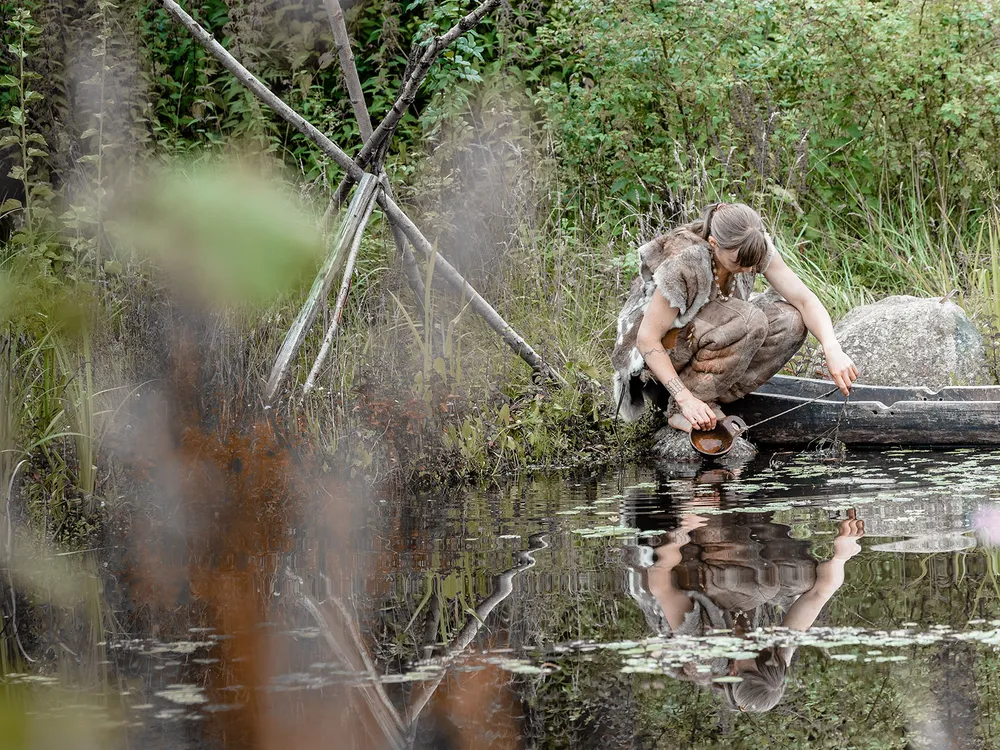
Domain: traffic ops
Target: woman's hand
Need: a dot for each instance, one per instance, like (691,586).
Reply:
(695,411)
(846,546)
(842,368)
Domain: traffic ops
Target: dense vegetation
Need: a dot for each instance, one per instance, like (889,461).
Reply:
(544,145)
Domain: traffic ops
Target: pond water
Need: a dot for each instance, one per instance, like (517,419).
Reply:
(793,602)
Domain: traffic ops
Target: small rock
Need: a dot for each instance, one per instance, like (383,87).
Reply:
(675,445)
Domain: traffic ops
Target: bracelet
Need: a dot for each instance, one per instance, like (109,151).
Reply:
(674,386)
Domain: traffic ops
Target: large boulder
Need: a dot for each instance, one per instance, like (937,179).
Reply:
(912,341)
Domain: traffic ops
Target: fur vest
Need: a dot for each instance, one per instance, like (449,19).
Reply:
(679,265)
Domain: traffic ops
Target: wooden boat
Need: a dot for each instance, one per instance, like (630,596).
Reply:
(874,415)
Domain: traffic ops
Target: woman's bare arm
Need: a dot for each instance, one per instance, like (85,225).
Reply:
(829,577)
(673,601)
(656,323)
(816,318)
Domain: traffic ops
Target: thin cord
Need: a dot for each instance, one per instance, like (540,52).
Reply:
(798,406)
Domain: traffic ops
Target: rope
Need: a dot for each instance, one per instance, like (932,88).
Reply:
(799,406)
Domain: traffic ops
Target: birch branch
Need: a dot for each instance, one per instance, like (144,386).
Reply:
(392,210)
(350,70)
(353,82)
(261,91)
(345,287)
(349,234)
(411,84)
(447,271)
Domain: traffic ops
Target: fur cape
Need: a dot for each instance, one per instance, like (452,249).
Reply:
(679,265)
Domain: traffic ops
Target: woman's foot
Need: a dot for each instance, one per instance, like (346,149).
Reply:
(679,422)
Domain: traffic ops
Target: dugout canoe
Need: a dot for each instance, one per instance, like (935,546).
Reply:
(874,415)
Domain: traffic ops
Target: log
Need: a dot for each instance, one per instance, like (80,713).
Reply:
(787,385)
(907,423)
(345,286)
(350,229)
(393,211)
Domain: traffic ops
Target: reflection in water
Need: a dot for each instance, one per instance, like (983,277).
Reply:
(276,609)
(737,572)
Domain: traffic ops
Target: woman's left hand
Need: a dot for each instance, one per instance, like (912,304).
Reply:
(846,546)
(842,368)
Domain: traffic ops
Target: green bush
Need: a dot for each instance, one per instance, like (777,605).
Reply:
(647,99)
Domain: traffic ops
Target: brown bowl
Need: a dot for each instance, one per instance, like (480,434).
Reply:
(718,441)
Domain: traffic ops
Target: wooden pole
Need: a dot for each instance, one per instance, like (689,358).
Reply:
(393,211)
(353,83)
(350,228)
(493,319)
(350,70)
(345,286)
(421,67)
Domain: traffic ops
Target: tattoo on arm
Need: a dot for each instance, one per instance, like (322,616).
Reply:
(654,350)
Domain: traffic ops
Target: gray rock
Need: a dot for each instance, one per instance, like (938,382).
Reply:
(675,445)
(912,341)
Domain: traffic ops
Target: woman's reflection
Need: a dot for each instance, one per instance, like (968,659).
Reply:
(738,571)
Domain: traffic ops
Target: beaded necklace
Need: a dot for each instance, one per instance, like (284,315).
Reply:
(724,296)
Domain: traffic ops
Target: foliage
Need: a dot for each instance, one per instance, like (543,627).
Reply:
(543,147)
(796,100)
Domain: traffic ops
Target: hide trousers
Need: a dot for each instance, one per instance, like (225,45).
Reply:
(731,348)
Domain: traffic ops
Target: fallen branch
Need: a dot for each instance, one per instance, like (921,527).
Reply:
(348,236)
(393,211)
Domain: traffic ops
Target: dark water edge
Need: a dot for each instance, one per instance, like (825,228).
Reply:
(531,615)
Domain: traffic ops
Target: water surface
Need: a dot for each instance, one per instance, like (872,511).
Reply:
(795,602)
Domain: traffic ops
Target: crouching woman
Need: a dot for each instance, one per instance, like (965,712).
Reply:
(691,338)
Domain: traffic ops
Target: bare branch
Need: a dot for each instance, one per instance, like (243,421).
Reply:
(353,81)
(443,268)
(387,128)
(412,84)
(348,67)
(259,90)
(348,236)
(338,309)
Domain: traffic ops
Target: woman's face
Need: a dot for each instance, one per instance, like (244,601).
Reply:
(727,258)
